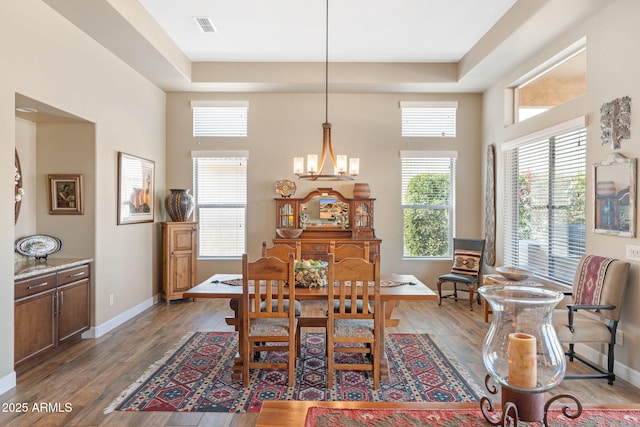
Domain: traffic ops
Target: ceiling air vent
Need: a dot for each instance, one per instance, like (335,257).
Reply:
(205,24)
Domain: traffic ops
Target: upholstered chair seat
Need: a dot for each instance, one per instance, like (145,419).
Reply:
(584,329)
(460,278)
(353,328)
(297,306)
(336,306)
(270,327)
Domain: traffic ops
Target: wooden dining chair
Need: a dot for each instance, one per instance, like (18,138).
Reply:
(341,252)
(350,330)
(272,328)
(282,250)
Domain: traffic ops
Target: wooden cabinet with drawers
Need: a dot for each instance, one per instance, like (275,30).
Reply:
(51,310)
(179,258)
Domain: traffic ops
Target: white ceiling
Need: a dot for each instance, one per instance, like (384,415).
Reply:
(359,30)
(375,46)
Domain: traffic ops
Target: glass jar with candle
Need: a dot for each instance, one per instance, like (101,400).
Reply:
(521,351)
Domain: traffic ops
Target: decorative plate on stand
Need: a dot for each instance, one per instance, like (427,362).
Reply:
(285,188)
(39,246)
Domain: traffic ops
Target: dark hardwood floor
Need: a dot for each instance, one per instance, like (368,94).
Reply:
(90,374)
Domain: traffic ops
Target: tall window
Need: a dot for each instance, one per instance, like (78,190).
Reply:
(428,202)
(220,190)
(544,220)
(429,119)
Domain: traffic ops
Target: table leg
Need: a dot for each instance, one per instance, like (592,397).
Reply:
(388,310)
(237,306)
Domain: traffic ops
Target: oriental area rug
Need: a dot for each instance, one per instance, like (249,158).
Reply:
(337,417)
(196,376)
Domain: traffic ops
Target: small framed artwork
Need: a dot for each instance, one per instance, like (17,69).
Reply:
(136,187)
(615,195)
(65,194)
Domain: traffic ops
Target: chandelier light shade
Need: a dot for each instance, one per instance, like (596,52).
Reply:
(343,168)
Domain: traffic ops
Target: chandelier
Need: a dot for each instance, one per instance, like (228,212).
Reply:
(315,169)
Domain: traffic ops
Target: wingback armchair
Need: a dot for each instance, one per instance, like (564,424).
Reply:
(593,314)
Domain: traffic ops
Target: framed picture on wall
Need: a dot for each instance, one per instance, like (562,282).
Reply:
(136,187)
(65,194)
(615,195)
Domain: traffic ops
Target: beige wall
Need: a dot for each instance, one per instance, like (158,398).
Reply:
(281,126)
(53,62)
(613,66)
(67,149)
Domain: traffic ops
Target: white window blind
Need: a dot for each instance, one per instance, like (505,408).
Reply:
(220,191)
(220,118)
(429,119)
(428,203)
(544,224)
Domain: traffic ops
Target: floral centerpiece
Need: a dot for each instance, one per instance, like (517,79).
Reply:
(311,273)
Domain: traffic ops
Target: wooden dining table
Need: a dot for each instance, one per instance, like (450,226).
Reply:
(396,287)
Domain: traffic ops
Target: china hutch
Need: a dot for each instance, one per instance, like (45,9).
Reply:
(325,216)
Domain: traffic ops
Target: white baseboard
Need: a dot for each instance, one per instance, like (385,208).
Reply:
(109,325)
(8,382)
(622,372)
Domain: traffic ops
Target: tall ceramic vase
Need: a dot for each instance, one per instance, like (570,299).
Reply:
(179,205)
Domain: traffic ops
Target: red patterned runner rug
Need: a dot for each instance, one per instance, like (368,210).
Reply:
(349,417)
(196,376)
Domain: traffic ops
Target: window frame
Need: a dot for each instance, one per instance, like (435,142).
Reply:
(239,155)
(220,119)
(429,119)
(558,270)
(428,158)
(576,49)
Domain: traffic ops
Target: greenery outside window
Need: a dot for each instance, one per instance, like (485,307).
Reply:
(544,222)
(220,191)
(428,203)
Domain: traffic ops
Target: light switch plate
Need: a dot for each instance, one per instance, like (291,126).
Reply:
(633,253)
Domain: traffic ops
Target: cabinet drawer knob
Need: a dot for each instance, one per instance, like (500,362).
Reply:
(38,285)
(77,274)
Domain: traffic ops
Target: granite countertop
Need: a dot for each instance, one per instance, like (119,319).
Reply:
(25,267)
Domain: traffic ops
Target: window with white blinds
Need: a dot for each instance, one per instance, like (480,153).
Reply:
(429,119)
(220,118)
(544,223)
(220,191)
(428,203)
